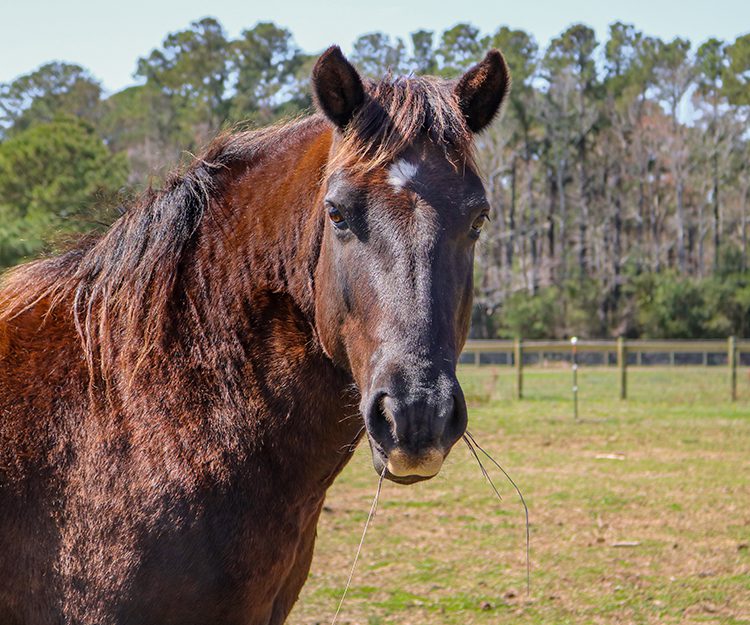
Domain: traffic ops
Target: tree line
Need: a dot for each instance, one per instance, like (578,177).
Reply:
(619,175)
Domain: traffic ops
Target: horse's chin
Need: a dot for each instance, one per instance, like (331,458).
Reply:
(408,479)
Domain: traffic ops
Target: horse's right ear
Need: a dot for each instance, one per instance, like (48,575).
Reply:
(337,87)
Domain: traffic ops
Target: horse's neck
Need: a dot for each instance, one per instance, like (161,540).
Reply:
(262,236)
(279,223)
(258,276)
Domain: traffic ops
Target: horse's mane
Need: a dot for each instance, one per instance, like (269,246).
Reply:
(121,283)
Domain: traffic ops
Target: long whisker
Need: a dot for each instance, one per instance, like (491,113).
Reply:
(523,503)
(370,516)
(481,466)
(353,445)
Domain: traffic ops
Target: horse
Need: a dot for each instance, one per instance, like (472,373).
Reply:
(177,394)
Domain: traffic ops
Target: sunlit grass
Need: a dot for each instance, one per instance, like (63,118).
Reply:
(640,511)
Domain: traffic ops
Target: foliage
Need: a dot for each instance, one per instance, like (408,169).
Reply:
(737,75)
(423,59)
(53,89)
(668,306)
(531,316)
(52,177)
(617,208)
(375,55)
(266,60)
(664,305)
(460,47)
(191,69)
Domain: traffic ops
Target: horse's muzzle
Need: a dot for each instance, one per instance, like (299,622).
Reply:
(411,438)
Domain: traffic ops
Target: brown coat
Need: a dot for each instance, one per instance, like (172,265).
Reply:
(177,396)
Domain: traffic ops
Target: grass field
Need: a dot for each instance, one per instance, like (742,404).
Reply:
(640,512)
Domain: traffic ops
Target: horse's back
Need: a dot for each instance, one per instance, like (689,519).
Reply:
(37,389)
(42,393)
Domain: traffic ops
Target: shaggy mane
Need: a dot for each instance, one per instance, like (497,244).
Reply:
(122,282)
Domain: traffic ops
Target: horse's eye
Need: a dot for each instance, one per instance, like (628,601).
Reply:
(479,222)
(334,214)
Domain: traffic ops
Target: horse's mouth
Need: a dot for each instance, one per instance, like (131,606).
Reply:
(380,463)
(407,479)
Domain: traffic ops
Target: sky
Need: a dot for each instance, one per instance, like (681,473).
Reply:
(108,37)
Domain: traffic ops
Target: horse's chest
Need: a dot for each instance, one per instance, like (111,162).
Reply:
(248,541)
(198,556)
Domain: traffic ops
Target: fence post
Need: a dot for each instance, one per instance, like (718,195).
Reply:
(622,365)
(476,357)
(518,358)
(732,363)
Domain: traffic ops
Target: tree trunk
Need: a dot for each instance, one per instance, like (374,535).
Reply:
(563,272)
(654,217)
(701,238)
(551,223)
(715,180)
(715,199)
(617,243)
(681,259)
(510,246)
(533,235)
(743,225)
(583,220)
(500,241)
(641,221)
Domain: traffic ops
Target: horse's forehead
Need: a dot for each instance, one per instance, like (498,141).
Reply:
(435,179)
(412,168)
(423,174)
(401,172)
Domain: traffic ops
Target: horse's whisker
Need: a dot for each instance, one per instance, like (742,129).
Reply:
(472,443)
(373,509)
(481,466)
(353,445)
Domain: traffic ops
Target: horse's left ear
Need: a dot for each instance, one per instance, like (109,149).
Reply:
(482,89)
(337,87)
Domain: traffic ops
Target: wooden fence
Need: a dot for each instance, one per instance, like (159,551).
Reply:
(620,349)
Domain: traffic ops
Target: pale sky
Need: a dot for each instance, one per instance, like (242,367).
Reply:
(107,37)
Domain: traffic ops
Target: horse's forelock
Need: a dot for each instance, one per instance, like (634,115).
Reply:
(399,111)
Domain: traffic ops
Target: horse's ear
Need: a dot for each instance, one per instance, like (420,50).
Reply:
(337,87)
(482,89)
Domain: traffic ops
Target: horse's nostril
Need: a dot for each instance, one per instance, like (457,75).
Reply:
(415,424)
(457,421)
(381,421)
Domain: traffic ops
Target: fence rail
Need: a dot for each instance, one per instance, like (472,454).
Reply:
(621,348)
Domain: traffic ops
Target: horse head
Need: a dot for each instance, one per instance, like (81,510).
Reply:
(404,206)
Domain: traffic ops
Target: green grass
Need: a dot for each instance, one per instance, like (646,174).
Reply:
(668,469)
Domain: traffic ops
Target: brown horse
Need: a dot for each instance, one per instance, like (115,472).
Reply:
(177,395)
